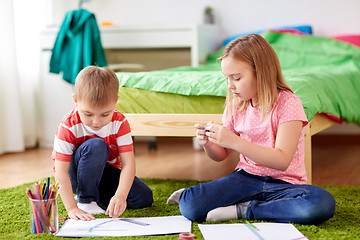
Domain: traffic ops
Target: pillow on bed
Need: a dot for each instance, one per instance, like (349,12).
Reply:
(292,31)
(352,39)
(304,29)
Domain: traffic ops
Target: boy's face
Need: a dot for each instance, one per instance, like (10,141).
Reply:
(95,117)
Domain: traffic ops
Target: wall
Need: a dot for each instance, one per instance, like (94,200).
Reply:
(328,17)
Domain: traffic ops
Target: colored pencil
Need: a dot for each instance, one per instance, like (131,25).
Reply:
(35,220)
(41,198)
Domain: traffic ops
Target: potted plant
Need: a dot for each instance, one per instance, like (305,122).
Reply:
(209,16)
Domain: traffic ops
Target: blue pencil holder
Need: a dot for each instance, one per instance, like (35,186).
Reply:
(44,216)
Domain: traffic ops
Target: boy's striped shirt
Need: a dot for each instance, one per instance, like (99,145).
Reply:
(72,132)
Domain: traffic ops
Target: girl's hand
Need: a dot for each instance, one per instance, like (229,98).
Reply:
(116,207)
(201,133)
(211,136)
(78,214)
(220,135)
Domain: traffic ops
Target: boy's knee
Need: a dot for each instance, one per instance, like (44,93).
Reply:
(141,200)
(95,144)
(95,147)
(148,199)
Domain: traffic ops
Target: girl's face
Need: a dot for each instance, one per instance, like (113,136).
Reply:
(241,78)
(95,117)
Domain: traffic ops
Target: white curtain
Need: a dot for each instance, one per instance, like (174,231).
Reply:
(11,134)
(20,25)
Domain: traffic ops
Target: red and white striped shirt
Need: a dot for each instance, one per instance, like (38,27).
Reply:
(72,132)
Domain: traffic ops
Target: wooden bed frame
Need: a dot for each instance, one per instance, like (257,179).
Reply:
(182,125)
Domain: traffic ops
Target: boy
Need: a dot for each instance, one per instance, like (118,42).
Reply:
(93,151)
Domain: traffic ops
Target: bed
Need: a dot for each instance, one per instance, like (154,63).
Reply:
(323,72)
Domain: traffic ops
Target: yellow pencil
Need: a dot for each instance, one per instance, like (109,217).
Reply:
(40,190)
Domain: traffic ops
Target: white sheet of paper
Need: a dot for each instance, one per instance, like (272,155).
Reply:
(147,226)
(267,231)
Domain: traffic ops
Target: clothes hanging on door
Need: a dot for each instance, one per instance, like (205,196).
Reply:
(77,45)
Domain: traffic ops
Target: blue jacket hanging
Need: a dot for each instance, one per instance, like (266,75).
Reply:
(77,45)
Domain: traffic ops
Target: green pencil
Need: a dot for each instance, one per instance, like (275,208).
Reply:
(252,225)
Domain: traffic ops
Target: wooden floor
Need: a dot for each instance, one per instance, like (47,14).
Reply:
(336,161)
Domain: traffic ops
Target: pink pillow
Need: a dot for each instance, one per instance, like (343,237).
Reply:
(333,117)
(352,39)
(293,31)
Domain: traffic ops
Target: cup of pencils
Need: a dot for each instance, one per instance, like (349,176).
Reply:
(43,207)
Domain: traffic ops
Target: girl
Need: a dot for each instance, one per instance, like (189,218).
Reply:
(264,122)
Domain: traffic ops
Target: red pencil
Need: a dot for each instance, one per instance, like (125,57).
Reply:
(28,192)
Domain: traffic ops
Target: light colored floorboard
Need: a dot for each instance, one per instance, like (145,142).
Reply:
(335,162)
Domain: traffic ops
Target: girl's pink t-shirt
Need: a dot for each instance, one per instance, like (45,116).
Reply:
(248,125)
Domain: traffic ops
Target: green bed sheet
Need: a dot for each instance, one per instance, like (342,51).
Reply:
(324,73)
(134,100)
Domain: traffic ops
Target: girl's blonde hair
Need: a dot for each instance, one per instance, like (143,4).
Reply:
(254,50)
(97,86)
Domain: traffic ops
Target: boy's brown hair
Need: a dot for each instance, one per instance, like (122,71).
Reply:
(97,86)
(254,50)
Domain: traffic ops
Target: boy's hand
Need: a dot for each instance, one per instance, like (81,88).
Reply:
(78,214)
(116,207)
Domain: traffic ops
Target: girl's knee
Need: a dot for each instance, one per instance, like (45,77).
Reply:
(189,212)
(325,206)
(192,210)
(320,208)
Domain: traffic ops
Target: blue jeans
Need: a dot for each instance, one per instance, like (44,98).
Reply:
(92,179)
(270,199)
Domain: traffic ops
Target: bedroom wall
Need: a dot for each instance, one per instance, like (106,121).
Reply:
(328,17)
